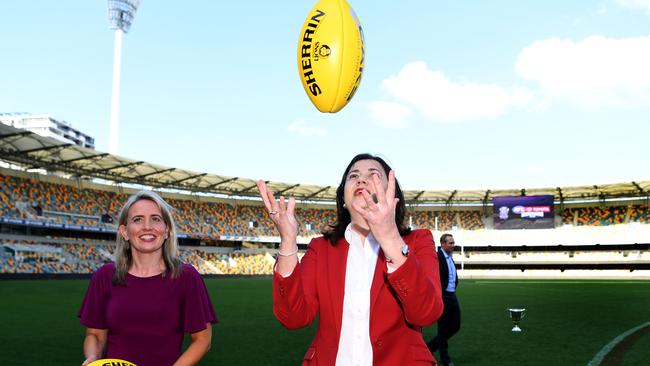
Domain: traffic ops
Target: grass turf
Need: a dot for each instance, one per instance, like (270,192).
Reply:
(567,323)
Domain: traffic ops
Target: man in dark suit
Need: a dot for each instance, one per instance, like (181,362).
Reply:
(449,322)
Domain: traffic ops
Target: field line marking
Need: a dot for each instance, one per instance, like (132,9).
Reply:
(598,358)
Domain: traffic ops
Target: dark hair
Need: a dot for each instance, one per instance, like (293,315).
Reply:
(336,230)
(443,238)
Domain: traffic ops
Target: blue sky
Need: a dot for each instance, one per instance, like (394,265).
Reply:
(456,95)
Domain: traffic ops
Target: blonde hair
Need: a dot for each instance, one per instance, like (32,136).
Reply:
(123,256)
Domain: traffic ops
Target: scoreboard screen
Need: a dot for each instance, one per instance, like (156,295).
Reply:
(524,212)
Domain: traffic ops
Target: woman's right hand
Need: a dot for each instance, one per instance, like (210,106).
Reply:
(283,216)
(89,360)
(94,344)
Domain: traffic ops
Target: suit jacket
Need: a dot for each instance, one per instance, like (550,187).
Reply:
(400,302)
(444,270)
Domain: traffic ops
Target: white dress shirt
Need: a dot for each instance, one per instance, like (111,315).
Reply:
(355,348)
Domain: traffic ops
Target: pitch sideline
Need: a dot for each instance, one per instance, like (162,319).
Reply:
(598,358)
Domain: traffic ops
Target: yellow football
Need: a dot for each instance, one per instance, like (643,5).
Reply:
(331,54)
(111,362)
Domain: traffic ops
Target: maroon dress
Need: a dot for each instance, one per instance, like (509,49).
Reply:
(148,317)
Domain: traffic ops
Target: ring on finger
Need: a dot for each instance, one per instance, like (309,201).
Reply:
(273,212)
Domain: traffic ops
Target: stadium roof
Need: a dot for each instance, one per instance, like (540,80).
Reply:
(32,151)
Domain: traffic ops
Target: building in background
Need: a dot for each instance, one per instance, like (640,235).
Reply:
(45,125)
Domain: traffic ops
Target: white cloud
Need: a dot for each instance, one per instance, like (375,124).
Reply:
(390,114)
(596,71)
(438,98)
(636,4)
(302,128)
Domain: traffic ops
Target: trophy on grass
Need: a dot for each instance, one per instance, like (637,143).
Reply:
(516,315)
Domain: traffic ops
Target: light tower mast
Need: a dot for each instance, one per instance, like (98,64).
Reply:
(120,17)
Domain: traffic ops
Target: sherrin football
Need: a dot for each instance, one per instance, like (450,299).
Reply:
(111,362)
(331,55)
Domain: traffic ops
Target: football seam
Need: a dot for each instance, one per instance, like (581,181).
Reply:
(342,58)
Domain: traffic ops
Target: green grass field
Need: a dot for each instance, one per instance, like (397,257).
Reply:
(567,323)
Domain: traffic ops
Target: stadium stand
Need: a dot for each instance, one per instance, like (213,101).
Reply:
(69,205)
(600,216)
(34,255)
(447,220)
(58,225)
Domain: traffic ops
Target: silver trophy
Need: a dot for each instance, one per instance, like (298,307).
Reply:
(516,315)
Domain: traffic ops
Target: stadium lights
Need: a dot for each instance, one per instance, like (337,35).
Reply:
(120,17)
(121,13)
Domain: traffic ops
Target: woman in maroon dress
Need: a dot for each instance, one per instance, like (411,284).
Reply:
(139,308)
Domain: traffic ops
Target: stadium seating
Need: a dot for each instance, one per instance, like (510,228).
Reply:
(607,215)
(239,221)
(61,256)
(446,220)
(65,204)
(68,205)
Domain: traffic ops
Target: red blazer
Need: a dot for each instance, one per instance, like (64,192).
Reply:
(401,303)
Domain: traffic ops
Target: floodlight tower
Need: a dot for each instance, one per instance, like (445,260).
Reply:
(120,16)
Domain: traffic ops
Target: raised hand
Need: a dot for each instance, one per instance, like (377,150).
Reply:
(379,212)
(379,208)
(282,214)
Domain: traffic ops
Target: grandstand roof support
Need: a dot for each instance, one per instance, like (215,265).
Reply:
(288,188)
(417,196)
(15,134)
(638,187)
(451,197)
(248,188)
(23,156)
(84,158)
(560,195)
(486,197)
(100,171)
(49,166)
(222,182)
(142,176)
(45,148)
(188,178)
(317,192)
(599,193)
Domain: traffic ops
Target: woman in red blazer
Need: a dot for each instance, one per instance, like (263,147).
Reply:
(373,282)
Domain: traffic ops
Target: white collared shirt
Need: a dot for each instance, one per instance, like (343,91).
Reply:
(355,348)
(451,286)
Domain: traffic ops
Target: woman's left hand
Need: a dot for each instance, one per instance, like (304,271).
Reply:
(379,210)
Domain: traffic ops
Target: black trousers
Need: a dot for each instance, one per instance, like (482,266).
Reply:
(448,325)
